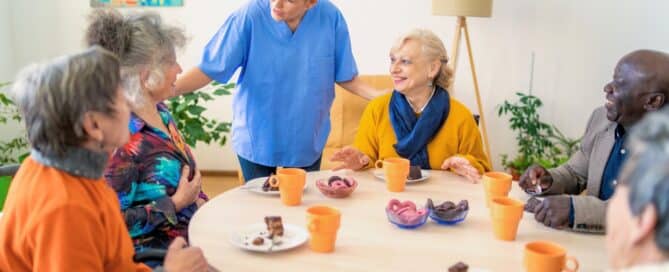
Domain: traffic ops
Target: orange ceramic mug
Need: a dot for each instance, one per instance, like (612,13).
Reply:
(323,223)
(546,256)
(396,171)
(496,184)
(291,184)
(506,214)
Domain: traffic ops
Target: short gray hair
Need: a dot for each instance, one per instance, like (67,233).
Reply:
(646,171)
(54,96)
(140,40)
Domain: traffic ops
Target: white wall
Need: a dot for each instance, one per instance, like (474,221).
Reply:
(576,44)
(6,56)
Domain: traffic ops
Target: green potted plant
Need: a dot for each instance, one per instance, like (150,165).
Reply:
(194,127)
(12,151)
(538,142)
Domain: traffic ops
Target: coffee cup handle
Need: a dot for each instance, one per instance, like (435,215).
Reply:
(313,226)
(566,264)
(378,164)
(273,181)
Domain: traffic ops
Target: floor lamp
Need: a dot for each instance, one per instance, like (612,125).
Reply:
(463,9)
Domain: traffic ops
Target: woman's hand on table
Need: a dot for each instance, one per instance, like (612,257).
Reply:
(181,257)
(188,190)
(200,202)
(350,158)
(462,167)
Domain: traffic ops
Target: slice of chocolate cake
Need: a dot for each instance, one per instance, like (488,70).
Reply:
(274,227)
(414,172)
(459,267)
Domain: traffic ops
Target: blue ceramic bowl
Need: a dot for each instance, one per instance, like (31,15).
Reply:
(450,222)
(398,223)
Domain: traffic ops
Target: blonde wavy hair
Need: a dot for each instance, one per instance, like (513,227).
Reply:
(433,49)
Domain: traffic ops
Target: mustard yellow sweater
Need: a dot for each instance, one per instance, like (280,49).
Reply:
(459,135)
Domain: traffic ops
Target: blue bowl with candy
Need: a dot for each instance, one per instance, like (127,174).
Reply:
(405,214)
(448,213)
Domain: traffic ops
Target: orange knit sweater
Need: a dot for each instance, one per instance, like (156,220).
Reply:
(54,221)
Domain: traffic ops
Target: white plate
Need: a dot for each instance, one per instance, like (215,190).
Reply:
(293,236)
(255,186)
(378,173)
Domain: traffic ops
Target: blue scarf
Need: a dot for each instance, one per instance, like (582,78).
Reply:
(414,133)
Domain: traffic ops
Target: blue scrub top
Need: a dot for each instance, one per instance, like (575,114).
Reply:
(281,108)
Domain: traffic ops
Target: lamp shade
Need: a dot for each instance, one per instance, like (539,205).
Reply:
(467,8)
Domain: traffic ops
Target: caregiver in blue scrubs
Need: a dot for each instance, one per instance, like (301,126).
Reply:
(291,53)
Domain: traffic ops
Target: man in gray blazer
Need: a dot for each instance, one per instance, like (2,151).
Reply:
(640,85)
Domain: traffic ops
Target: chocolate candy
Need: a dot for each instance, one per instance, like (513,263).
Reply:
(459,267)
(333,179)
(258,241)
(448,210)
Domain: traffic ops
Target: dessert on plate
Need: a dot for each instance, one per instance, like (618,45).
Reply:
(414,172)
(266,187)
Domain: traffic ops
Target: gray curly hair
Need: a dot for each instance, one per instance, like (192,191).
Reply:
(53,97)
(646,171)
(140,40)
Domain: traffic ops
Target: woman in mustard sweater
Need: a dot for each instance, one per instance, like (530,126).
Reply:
(418,120)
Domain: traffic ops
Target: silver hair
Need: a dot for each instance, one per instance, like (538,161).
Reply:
(54,96)
(142,42)
(646,171)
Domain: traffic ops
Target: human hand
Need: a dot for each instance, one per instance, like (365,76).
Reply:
(180,257)
(200,202)
(535,180)
(351,158)
(187,190)
(554,211)
(462,167)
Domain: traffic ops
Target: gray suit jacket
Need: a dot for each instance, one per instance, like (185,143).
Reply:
(584,171)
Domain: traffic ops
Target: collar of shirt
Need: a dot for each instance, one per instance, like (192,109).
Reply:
(137,124)
(620,131)
(76,161)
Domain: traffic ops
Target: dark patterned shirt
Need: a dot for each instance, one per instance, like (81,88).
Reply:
(145,172)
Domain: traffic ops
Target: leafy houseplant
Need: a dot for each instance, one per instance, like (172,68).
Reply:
(194,127)
(538,142)
(12,150)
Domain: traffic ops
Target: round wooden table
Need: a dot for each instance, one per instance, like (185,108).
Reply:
(366,241)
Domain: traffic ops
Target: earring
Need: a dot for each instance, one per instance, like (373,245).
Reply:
(429,83)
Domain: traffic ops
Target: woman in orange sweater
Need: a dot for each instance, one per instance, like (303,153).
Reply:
(418,120)
(60,215)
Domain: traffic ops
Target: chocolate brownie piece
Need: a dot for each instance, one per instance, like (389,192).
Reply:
(274,226)
(414,172)
(458,267)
